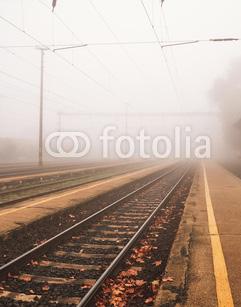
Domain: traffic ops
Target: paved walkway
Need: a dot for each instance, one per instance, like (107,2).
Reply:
(205,260)
(215,272)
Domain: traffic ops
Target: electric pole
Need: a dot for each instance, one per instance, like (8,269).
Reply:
(40,148)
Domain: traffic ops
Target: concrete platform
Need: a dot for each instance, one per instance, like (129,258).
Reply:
(205,260)
(26,212)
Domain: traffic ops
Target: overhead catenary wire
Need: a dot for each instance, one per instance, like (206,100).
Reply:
(46,98)
(27,99)
(159,44)
(168,37)
(89,45)
(46,47)
(37,86)
(104,66)
(24,60)
(151,42)
(174,62)
(105,22)
(163,43)
(25,102)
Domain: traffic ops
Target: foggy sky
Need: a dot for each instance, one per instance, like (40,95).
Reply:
(134,74)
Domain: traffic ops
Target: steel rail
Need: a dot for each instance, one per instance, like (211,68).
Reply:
(39,250)
(46,185)
(91,293)
(77,174)
(43,185)
(51,170)
(8,172)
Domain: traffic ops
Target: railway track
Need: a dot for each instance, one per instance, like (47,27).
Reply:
(8,170)
(70,268)
(13,195)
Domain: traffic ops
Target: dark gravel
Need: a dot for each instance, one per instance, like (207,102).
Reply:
(169,219)
(28,236)
(136,204)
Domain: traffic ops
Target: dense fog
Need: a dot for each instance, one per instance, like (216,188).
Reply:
(119,75)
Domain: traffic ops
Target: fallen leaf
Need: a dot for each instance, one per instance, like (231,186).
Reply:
(140,282)
(155,285)
(165,279)
(115,301)
(140,260)
(25,278)
(100,304)
(158,262)
(149,300)
(128,285)
(116,292)
(129,272)
(86,287)
(106,290)
(130,290)
(45,288)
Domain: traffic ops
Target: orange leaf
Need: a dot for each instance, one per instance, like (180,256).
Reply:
(165,279)
(116,292)
(34,262)
(149,300)
(155,285)
(86,287)
(45,288)
(100,304)
(130,290)
(130,272)
(25,278)
(106,290)
(128,285)
(139,260)
(140,282)
(116,301)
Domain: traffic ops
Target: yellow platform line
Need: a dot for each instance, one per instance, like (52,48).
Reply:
(81,189)
(45,200)
(224,295)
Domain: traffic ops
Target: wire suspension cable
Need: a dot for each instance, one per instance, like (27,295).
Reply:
(104,66)
(36,86)
(163,43)
(168,37)
(114,35)
(24,60)
(46,47)
(159,44)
